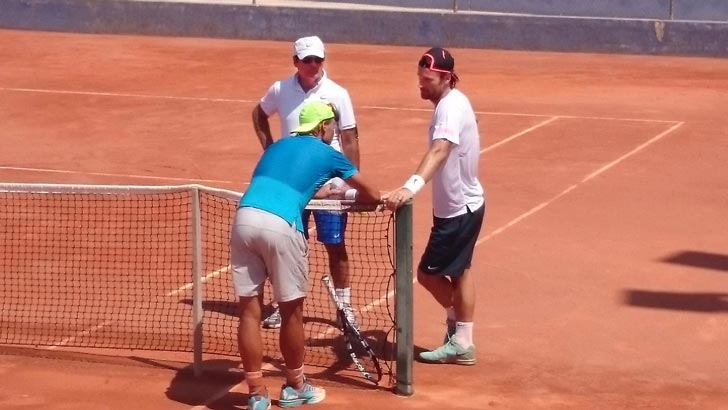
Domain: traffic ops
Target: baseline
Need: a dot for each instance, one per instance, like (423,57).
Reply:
(370,107)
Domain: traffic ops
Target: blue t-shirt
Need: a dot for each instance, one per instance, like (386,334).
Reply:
(290,172)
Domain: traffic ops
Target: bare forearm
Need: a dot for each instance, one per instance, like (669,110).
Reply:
(262,127)
(366,193)
(434,158)
(349,140)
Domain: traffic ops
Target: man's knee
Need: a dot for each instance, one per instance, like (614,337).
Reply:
(291,307)
(249,306)
(424,279)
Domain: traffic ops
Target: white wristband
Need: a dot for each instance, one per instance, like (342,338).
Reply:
(414,183)
(350,194)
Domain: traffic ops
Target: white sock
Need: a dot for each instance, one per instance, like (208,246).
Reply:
(464,334)
(344,295)
(450,313)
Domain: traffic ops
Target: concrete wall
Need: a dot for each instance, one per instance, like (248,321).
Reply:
(369,26)
(583,8)
(705,10)
(702,10)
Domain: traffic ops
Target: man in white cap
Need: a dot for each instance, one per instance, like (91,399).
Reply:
(285,98)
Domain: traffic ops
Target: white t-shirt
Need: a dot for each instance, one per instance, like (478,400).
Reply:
(286,97)
(455,185)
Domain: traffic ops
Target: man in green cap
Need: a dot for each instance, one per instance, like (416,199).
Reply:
(268,242)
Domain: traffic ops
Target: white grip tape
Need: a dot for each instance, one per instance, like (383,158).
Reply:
(414,183)
(350,194)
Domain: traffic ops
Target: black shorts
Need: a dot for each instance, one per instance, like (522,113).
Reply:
(452,241)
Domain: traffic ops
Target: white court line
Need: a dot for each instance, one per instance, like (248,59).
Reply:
(551,118)
(129,95)
(85,332)
(583,181)
(92,329)
(566,191)
(237,388)
(514,136)
(211,275)
(64,171)
(521,114)
(370,107)
(541,205)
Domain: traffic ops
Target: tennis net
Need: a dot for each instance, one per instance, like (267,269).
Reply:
(129,267)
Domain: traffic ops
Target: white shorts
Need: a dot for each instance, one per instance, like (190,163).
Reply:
(263,246)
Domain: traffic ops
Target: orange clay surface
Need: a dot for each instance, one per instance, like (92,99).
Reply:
(602,267)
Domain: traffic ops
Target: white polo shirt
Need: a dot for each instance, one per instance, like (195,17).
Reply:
(455,185)
(286,97)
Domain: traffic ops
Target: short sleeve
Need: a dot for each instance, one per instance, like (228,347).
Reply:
(447,122)
(269,102)
(346,111)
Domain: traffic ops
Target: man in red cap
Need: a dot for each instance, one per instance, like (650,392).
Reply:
(458,202)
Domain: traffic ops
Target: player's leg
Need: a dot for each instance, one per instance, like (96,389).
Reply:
(251,352)
(273,318)
(441,288)
(450,251)
(250,344)
(463,296)
(457,347)
(287,265)
(438,285)
(288,270)
(330,230)
(436,260)
(248,274)
(464,306)
(292,339)
(339,268)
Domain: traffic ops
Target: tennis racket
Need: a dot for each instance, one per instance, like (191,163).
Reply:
(361,353)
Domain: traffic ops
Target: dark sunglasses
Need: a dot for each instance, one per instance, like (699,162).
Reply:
(311,59)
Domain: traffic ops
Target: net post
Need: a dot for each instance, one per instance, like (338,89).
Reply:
(196,222)
(404,300)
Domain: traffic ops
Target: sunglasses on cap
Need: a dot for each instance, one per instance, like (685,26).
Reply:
(311,59)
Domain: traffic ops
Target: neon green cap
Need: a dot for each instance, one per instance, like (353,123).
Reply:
(312,114)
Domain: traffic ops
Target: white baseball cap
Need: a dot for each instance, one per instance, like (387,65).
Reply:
(308,46)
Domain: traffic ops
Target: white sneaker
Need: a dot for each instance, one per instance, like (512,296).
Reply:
(273,321)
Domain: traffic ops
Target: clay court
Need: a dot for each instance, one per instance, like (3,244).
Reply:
(602,267)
